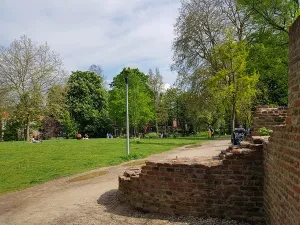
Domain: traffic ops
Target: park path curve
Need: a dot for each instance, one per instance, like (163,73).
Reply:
(89,202)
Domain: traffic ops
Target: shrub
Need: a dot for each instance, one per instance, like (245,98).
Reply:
(175,135)
(264,131)
(152,135)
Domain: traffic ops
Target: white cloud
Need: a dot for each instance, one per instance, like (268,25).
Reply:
(167,86)
(114,33)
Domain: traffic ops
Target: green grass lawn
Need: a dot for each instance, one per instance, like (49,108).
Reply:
(24,164)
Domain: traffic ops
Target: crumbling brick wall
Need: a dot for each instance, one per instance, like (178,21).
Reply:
(268,117)
(282,155)
(232,188)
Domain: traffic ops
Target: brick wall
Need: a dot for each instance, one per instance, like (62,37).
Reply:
(282,155)
(267,116)
(232,188)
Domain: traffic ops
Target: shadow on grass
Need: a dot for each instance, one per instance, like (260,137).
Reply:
(113,206)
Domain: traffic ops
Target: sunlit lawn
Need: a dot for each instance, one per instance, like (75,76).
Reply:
(24,164)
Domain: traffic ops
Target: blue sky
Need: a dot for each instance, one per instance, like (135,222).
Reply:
(110,33)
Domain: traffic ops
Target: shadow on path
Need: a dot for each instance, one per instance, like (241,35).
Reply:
(113,206)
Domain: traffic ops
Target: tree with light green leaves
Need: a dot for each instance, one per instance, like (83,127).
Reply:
(141,109)
(234,87)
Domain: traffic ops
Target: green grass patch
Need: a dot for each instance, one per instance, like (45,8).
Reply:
(24,164)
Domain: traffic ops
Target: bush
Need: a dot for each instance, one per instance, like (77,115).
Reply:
(264,131)
(11,131)
(152,135)
(175,135)
(202,134)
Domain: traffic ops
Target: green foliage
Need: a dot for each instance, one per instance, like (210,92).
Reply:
(70,127)
(176,105)
(175,135)
(224,78)
(152,135)
(141,108)
(88,103)
(269,57)
(265,132)
(268,46)
(56,102)
(24,164)
(234,88)
(131,157)
(11,130)
(277,14)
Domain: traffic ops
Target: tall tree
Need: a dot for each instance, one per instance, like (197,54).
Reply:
(27,70)
(56,104)
(269,46)
(156,85)
(199,27)
(234,87)
(88,103)
(58,120)
(140,102)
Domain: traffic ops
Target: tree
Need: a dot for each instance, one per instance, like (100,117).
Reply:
(202,28)
(139,94)
(278,14)
(156,85)
(176,106)
(87,100)
(57,120)
(27,70)
(232,85)
(268,46)
(271,62)
(199,27)
(56,105)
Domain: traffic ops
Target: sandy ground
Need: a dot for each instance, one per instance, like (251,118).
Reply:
(93,201)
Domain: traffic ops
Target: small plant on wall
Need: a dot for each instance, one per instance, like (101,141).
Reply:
(265,131)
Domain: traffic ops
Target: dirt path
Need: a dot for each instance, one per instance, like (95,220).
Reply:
(91,201)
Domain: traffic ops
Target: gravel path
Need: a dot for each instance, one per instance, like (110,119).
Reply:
(94,201)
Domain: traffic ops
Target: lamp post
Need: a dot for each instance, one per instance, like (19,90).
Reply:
(127,117)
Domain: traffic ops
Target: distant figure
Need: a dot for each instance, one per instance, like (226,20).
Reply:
(210,130)
(78,136)
(238,135)
(86,137)
(33,140)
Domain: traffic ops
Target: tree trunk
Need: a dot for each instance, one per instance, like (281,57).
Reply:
(156,126)
(27,129)
(233,118)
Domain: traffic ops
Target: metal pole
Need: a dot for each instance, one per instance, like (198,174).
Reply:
(127,117)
